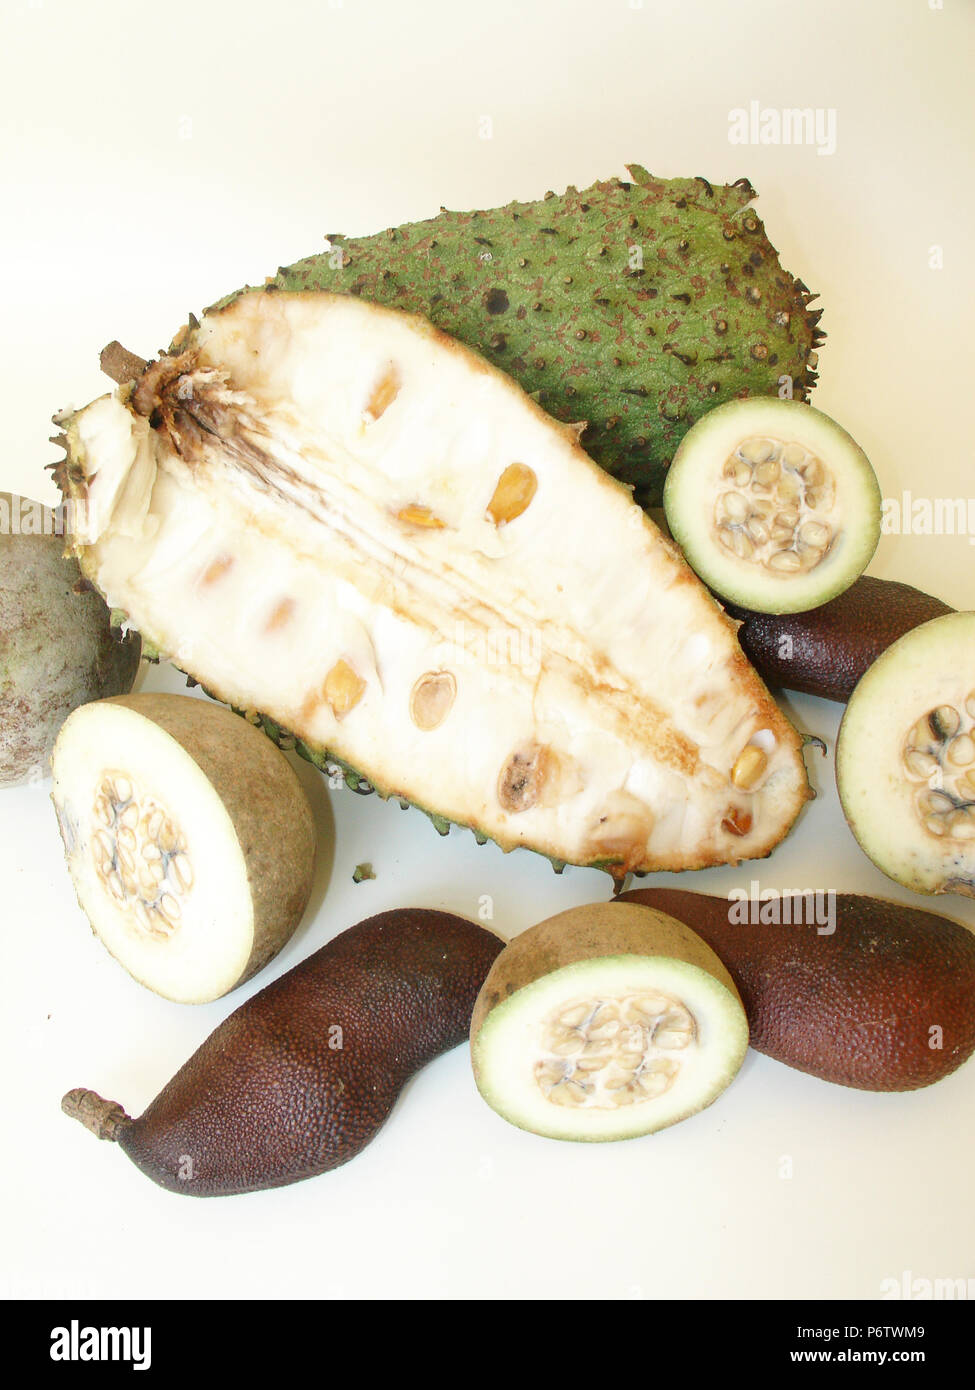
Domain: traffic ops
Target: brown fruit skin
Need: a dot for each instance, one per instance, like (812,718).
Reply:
(591,932)
(269,1099)
(854,1007)
(58,649)
(833,645)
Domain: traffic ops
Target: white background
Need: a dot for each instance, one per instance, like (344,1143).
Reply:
(154,159)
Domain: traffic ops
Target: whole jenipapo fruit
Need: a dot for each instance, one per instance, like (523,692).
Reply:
(58,648)
(884,1002)
(304,1075)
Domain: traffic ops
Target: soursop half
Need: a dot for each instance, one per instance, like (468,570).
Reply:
(339,519)
(635,306)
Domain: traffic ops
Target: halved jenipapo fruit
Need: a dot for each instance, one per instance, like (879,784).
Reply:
(606,1022)
(773,504)
(905,758)
(188,837)
(334,515)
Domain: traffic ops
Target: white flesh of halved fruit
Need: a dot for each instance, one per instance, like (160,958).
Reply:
(333,514)
(609,1047)
(905,758)
(156,857)
(774,505)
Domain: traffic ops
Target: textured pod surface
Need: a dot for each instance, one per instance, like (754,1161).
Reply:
(635,306)
(826,650)
(304,1074)
(57,646)
(344,522)
(886,1002)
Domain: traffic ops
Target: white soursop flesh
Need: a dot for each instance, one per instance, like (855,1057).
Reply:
(334,514)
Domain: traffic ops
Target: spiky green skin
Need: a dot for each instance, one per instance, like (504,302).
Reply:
(324,761)
(327,762)
(552,292)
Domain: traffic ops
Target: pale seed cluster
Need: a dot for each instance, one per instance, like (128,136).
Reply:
(940,752)
(773,505)
(140,855)
(607,1053)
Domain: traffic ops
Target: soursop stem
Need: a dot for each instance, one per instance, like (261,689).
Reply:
(105,1118)
(120,364)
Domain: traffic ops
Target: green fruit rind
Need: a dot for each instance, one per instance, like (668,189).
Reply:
(930,666)
(634,306)
(605,947)
(688,504)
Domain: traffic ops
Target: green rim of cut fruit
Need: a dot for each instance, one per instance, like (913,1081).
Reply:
(774,505)
(605,1023)
(905,758)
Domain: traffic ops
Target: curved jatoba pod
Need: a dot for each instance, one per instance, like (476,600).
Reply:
(826,650)
(874,994)
(304,1074)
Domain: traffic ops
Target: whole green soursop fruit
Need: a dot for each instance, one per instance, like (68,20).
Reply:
(636,307)
(340,520)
